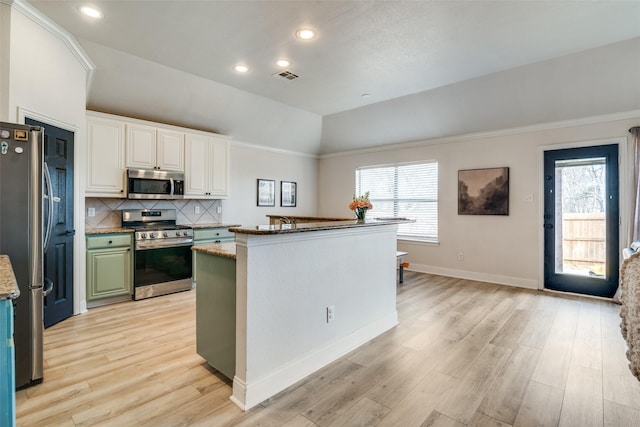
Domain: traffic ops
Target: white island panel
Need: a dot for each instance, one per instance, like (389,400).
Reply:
(285,282)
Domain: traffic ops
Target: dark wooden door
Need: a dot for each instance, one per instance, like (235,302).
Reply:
(58,260)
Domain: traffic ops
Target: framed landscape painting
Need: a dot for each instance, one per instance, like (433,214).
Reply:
(483,191)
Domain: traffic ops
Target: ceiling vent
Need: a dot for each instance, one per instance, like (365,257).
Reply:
(286,74)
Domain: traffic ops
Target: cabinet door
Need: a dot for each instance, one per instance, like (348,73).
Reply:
(109,272)
(219,178)
(105,158)
(7,365)
(197,165)
(141,146)
(170,154)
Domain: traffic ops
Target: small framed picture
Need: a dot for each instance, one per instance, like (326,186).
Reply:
(20,135)
(288,194)
(266,192)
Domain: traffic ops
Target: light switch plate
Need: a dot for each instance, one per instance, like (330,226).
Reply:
(91,212)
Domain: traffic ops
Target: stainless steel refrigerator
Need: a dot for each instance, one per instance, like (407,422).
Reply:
(25,221)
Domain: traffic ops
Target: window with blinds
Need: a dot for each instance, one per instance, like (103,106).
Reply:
(406,191)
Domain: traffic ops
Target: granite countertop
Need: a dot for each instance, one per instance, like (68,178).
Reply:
(108,230)
(131,230)
(319,218)
(213,225)
(8,283)
(314,226)
(227,250)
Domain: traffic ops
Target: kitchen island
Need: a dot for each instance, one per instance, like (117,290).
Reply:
(305,295)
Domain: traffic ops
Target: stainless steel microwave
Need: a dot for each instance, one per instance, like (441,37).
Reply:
(154,184)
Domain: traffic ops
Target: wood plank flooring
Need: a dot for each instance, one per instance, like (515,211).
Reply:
(464,353)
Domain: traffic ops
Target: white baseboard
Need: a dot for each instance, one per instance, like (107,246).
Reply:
(246,396)
(477,276)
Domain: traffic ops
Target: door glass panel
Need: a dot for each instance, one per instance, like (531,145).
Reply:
(580,222)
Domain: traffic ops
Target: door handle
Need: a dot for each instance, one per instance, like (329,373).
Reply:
(49,227)
(70,233)
(49,287)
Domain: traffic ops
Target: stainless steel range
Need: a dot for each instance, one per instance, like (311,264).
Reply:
(162,252)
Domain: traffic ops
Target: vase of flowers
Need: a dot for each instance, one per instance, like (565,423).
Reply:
(360,205)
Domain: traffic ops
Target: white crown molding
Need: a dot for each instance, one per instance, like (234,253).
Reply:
(24,113)
(273,150)
(36,16)
(633,114)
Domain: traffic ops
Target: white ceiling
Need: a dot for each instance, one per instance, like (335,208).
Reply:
(387,49)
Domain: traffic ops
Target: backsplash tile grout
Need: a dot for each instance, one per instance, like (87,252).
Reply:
(107,211)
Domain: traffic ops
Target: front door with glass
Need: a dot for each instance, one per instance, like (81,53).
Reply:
(581,220)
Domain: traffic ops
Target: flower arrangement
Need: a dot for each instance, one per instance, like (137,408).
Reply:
(360,205)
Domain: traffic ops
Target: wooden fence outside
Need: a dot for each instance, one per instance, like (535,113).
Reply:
(583,241)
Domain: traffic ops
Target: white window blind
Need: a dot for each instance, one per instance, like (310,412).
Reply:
(403,190)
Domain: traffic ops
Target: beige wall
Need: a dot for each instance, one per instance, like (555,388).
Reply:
(500,249)
(249,163)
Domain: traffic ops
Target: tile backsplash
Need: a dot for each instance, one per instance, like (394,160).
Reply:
(107,211)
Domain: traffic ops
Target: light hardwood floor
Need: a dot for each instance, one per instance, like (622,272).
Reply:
(464,353)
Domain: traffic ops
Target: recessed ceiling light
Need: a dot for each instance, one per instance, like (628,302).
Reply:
(283,63)
(305,34)
(366,95)
(241,68)
(89,11)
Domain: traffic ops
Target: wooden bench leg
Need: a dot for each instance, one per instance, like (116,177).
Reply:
(403,265)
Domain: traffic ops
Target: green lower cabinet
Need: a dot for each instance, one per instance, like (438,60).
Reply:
(205,236)
(216,312)
(109,266)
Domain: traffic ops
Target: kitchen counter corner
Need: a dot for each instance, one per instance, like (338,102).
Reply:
(8,283)
(227,250)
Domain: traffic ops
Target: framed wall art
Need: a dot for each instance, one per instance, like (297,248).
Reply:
(288,194)
(266,192)
(483,191)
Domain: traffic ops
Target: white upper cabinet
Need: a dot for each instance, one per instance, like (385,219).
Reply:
(207,167)
(170,150)
(117,143)
(105,157)
(149,147)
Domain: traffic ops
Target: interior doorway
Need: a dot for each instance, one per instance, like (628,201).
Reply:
(581,220)
(58,261)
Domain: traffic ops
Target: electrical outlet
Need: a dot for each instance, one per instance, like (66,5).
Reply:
(219,209)
(91,212)
(197,209)
(460,256)
(331,313)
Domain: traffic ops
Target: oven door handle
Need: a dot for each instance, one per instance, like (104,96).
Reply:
(157,244)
